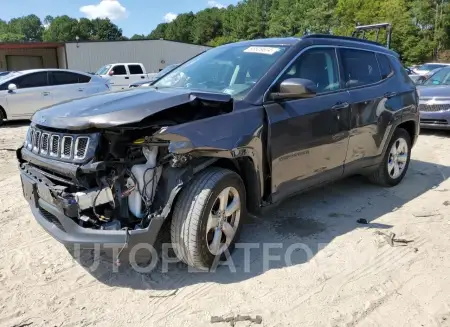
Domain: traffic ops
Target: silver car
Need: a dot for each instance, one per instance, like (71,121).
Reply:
(23,93)
(434,101)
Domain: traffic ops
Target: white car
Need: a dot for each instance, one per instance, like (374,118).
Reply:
(23,93)
(121,75)
(427,67)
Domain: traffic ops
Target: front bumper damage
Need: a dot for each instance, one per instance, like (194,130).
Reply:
(56,214)
(50,213)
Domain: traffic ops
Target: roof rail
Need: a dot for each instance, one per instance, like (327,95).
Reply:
(338,37)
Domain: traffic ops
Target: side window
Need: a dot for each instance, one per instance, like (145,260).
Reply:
(31,80)
(385,66)
(119,70)
(84,79)
(318,65)
(135,70)
(63,78)
(360,67)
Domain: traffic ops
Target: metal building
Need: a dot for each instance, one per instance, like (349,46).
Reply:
(90,56)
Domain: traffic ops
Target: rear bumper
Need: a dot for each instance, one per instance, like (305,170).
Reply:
(49,213)
(435,120)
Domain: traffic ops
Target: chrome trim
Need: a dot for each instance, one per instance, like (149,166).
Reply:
(43,150)
(54,154)
(30,142)
(36,143)
(64,156)
(75,153)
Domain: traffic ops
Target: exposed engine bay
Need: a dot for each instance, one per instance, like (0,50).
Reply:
(114,172)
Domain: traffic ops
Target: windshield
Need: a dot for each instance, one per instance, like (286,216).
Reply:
(430,66)
(9,75)
(230,69)
(103,70)
(442,77)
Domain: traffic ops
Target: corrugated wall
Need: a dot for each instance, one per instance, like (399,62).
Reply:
(154,54)
(48,56)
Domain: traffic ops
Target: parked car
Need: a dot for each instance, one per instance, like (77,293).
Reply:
(426,68)
(434,97)
(121,75)
(233,131)
(163,72)
(420,79)
(23,93)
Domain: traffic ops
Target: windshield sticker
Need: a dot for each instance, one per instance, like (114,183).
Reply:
(263,50)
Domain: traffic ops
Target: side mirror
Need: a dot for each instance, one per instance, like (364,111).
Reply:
(12,87)
(111,73)
(295,88)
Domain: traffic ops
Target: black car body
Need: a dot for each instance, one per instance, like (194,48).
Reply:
(303,112)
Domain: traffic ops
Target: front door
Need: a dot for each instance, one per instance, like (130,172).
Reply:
(33,93)
(308,138)
(121,79)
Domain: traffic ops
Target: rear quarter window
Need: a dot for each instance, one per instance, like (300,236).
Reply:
(84,79)
(384,63)
(360,67)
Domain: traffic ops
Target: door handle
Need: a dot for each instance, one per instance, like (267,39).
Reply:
(80,90)
(340,105)
(127,77)
(45,93)
(142,77)
(390,94)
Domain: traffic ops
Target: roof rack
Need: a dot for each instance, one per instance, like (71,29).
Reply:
(339,37)
(363,28)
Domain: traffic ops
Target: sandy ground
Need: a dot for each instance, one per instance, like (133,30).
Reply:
(342,273)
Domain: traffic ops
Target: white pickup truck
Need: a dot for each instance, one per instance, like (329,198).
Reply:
(121,75)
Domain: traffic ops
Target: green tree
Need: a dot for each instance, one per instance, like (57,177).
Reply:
(29,26)
(208,25)
(159,32)
(61,29)
(138,37)
(180,28)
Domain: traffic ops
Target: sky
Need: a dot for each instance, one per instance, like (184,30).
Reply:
(133,16)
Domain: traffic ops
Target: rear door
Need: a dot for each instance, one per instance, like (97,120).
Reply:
(121,78)
(368,77)
(66,86)
(136,73)
(33,93)
(308,137)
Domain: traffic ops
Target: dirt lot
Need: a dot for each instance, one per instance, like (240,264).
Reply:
(342,274)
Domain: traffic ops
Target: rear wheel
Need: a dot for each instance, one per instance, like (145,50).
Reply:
(2,116)
(207,217)
(396,160)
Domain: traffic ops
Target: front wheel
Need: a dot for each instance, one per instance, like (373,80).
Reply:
(396,160)
(207,217)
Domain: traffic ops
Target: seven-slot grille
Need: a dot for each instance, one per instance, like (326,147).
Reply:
(58,146)
(434,107)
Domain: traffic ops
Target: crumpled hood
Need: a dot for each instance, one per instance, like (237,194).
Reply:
(434,91)
(118,108)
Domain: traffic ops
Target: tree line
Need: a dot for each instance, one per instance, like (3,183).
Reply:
(421,28)
(58,29)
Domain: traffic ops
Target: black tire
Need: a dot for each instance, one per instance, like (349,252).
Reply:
(2,117)
(191,212)
(381,176)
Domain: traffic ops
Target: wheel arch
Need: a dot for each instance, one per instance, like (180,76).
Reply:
(411,127)
(3,111)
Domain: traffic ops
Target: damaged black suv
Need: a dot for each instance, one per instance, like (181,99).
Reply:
(226,134)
